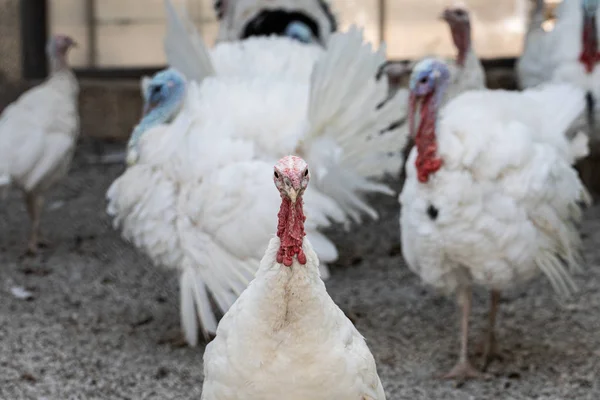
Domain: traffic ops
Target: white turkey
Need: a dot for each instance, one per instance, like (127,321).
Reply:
(534,67)
(307,21)
(38,134)
(575,54)
(183,201)
(466,71)
(272,56)
(302,344)
(490,198)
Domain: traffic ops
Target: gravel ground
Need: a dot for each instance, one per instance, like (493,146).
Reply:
(94,328)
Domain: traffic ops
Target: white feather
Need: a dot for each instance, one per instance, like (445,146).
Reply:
(303,346)
(508,199)
(184,47)
(38,133)
(209,212)
(535,65)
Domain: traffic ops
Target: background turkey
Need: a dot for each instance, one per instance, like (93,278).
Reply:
(490,197)
(38,134)
(308,21)
(535,65)
(575,60)
(181,202)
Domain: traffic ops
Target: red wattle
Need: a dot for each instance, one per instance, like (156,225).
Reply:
(290,230)
(427,161)
(589,53)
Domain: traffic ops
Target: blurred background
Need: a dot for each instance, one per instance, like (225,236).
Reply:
(121,40)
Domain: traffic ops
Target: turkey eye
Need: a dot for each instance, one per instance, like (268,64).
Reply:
(423,80)
(276,175)
(306,172)
(156,89)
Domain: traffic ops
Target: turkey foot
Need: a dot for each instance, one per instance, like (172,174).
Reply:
(462,371)
(44,242)
(488,348)
(32,249)
(35,244)
(34,204)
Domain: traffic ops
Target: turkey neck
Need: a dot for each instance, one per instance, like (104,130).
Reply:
(58,63)
(290,230)
(289,299)
(425,140)
(157,116)
(589,53)
(461,35)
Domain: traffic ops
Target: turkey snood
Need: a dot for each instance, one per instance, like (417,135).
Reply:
(291,178)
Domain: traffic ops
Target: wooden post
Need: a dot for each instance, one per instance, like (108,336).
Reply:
(34,34)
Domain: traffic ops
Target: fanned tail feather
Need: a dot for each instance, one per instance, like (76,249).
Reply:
(349,139)
(562,255)
(185,48)
(195,306)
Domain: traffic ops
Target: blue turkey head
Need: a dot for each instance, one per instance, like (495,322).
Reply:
(163,97)
(165,92)
(590,7)
(428,83)
(300,31)
(428,75)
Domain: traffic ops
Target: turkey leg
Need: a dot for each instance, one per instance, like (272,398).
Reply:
(34,209)
(488,347)
(463,369)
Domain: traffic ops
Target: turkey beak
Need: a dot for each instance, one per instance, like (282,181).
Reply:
(292,194)
(290,190)
(444,15)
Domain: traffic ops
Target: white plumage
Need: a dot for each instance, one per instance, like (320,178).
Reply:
(505,203)
(535,66)
(38,133)
(272,57)
(209,211)
(285,338)
(569,50)
(466,70)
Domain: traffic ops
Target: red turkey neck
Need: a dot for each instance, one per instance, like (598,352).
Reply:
(589,53)
(290,230)
(461,35)
(427,161)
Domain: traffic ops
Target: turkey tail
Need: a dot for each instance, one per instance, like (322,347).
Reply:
(184,47)
(350,139)
(195,307)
